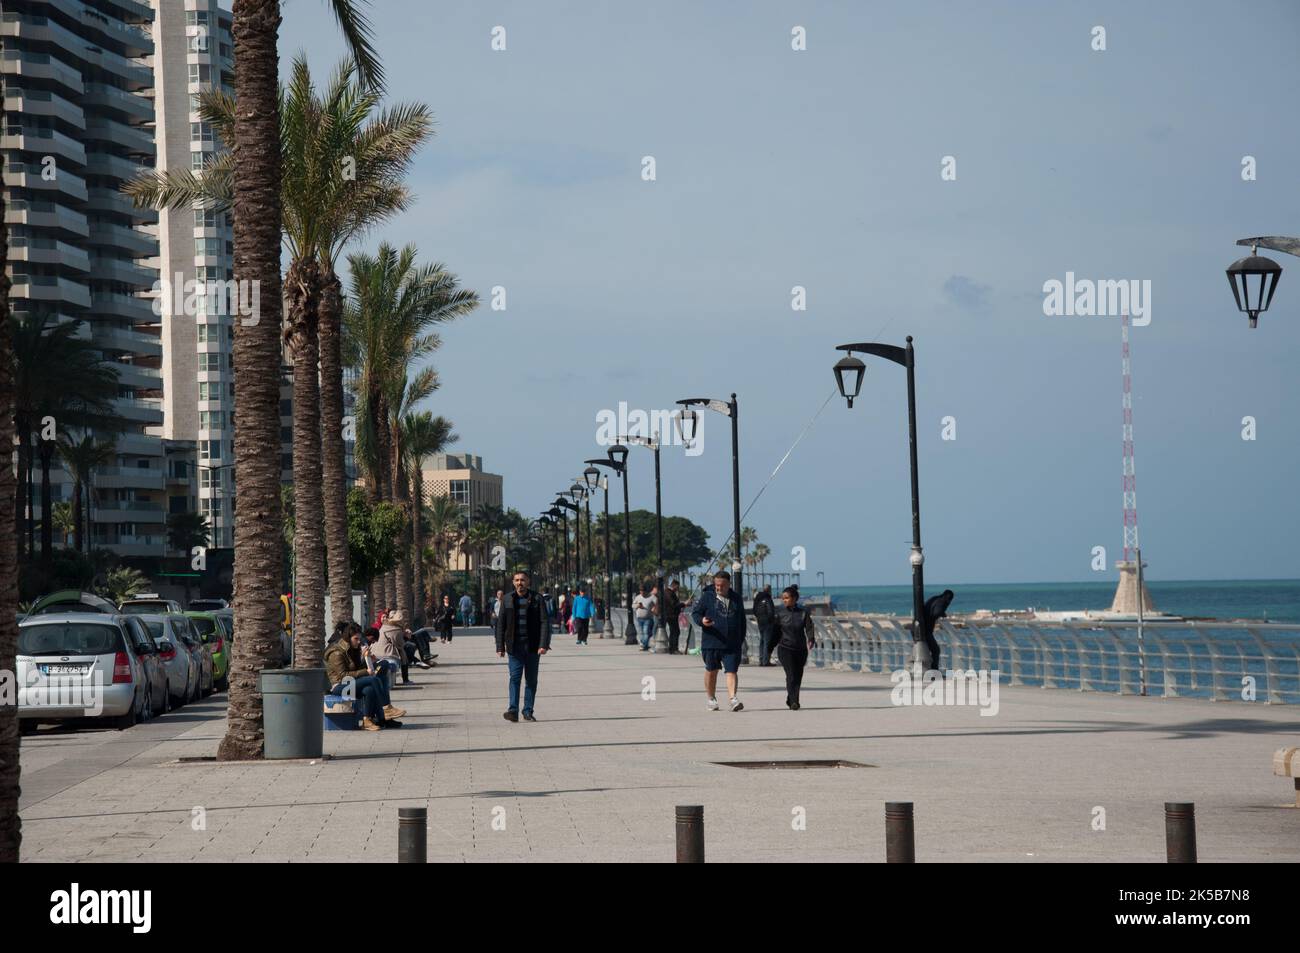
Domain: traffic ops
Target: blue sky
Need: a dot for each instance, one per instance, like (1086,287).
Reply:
(821,169)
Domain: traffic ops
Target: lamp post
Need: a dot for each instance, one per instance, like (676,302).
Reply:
(594,478)
(1258,274)
(848,376)
(545,522)
(687,421)
(577,492)
(661,625)
(617,463)
(560,508)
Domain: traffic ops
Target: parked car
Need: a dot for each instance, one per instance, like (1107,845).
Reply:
(148,604)
(181,653)
(208,605)
(214,637)
(72,600)
(80,665)
(155,667)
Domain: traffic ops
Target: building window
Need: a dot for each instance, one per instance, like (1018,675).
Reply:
(200,132)
(196,161)
(210,360)
(460,491)
(211,419)
(200,73)
(207,218)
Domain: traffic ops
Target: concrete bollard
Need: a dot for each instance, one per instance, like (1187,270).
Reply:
(412,835)
(1180,832)
(690,834)
(900,834)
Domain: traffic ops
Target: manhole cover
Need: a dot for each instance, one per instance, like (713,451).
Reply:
(835,763)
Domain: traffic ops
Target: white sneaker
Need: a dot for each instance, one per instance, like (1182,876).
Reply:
(713,704)
(736,703)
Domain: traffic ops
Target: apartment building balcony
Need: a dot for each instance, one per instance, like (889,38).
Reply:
(40,66)
(48,251)
(132,40)
(139,410)
(103,96)
(147,545)
(140,478)
(129,511)
(130,342)
(19,175)
(122,238)
(125,270)
(46,216)
(134,309)
(43,102)
(50,288)
(43,142)
(106,163)
(99,128)
(138,378)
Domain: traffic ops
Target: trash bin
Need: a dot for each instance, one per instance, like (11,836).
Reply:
(292,702)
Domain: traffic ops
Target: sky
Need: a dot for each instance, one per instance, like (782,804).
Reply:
(823,168)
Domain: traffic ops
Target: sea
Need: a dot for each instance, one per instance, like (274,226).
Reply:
(1268,600)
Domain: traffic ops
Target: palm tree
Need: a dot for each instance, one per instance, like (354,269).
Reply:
(342,172)
(480,539)
(423,435)
(392,305)
(81,458)
(256,202)
(446,519)
(59,378)
(10,831)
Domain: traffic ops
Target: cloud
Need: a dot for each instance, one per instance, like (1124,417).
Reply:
(967,294)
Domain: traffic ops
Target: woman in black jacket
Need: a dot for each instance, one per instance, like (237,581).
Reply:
(444,618)
(795,625)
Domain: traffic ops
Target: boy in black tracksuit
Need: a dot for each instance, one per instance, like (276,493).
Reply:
(795,625)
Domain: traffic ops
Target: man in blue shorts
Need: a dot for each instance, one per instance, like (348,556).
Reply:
(721,617)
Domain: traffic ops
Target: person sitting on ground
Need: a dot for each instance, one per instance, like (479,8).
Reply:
(348,676)
(389,647)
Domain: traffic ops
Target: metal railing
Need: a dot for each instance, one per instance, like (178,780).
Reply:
(1221,661)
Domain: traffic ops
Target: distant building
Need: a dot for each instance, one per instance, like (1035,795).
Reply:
(461,476)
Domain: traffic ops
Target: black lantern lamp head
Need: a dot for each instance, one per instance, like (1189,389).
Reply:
(618,454)
(1254,280)
(848,376)
(592,477)
(686,421)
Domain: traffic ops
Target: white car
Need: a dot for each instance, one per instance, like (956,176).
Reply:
(81,665)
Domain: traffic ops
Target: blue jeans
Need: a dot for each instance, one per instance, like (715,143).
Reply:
(371,694)
(647,629)
(523,664)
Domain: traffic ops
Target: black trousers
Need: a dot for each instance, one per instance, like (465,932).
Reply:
(674,635)
(793,661)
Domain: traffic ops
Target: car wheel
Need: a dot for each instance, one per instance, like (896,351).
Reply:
(129,720)
(167,698)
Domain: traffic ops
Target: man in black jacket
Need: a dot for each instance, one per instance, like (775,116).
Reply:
(523,633)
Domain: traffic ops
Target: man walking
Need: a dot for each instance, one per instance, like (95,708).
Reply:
(765,616)
(721,617)
(672,610)
(466,610)
(524,634)
(583,610)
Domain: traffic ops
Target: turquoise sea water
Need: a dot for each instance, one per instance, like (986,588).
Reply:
(1274,600)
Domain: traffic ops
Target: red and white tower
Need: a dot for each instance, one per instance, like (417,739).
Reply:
(1126,598)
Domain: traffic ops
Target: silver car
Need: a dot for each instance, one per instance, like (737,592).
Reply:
(180,656)
(81,665)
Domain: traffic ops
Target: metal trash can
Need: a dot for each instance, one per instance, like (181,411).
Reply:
(292,701)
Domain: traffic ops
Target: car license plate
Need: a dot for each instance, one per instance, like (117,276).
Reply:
(64,669)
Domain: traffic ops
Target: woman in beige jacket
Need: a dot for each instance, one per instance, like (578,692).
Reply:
(390,648)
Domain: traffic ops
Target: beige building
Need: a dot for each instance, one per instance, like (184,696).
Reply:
(461,476)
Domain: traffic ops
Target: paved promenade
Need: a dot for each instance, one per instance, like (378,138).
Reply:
(597,776)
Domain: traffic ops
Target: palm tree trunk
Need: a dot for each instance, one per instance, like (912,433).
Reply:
(402,495)
(77,537)
(417,543)
(258,557)
(302,287)
(31,499)
(383,455)
(20,494)
(10,830)
(47,504)
(334,482)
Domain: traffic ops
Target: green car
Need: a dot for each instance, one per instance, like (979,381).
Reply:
(214,636)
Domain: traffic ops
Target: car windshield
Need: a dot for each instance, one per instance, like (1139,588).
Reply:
(204,624)
(156,630)
(139,608)
(69,638)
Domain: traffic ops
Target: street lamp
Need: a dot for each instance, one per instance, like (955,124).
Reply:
(1258,274)
(848,376)
(594,478)
(687,421)
(661,627)
(545,522)
(822,576)
(618,463)
(578,492)
(560,508)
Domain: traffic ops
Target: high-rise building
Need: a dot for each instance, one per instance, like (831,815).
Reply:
(461,476)
(77,116)
(193,52)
